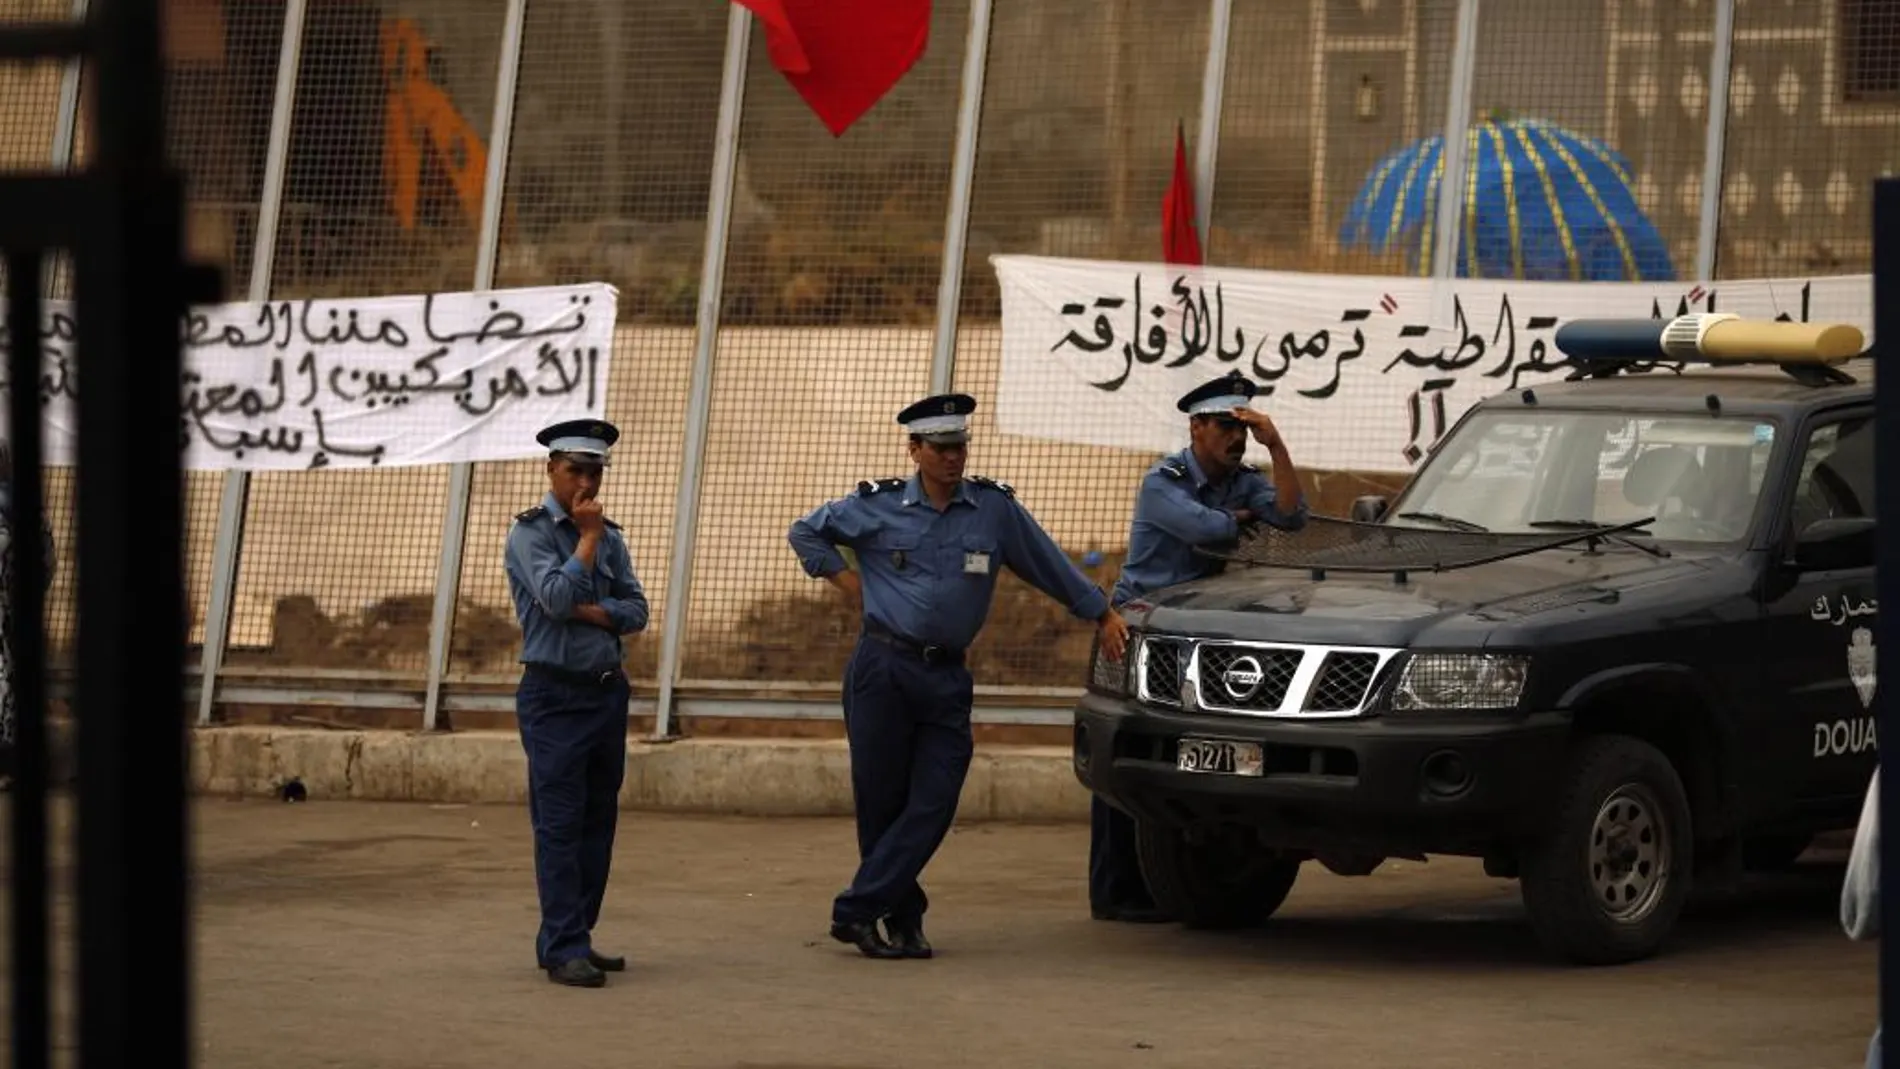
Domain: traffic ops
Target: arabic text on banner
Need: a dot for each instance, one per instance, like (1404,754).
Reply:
(1354,369)
(380,382)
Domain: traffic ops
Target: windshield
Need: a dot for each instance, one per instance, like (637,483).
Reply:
(1540,471)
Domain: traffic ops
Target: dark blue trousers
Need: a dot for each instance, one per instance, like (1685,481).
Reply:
(909,727)
(575,736)
(1115,878)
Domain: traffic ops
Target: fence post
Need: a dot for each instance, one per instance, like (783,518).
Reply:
(1464,65)
(1213,94)
(66,119)
(1715,140)
(712,273)
(956,221)
(448,568)
(231,504)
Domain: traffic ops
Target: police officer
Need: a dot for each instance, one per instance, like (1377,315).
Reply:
(1201,496)
(929,549)
(575,593)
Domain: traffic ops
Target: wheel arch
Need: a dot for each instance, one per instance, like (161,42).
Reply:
(1673,708)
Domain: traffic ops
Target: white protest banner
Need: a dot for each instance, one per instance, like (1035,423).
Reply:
(372,382)
(1352,368)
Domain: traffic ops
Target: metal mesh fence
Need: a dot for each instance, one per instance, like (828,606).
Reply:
(31,91)
(1622,120)
(832,267)
(223,80)
(830,288)
(222,63)
(619,194)
(1342,88)
(1814,116)
(1080,109)
(1327,90)
(382,195)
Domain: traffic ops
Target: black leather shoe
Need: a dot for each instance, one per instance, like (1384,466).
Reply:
(577,972)
(909,939)
(605,963)
(865,936)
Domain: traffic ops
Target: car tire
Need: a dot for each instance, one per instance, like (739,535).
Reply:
(1221,881)
(1607,879)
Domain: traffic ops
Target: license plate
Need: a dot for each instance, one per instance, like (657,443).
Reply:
(1223,757)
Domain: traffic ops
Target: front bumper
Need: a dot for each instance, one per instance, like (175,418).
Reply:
(1389,785)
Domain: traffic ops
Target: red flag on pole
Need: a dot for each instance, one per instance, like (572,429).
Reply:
(1180,239)
(842,56)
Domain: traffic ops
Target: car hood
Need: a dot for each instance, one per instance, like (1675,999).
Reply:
(1290,605)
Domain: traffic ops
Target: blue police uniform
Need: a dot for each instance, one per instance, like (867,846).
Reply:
(1177,509)
(927,579)
(571,706)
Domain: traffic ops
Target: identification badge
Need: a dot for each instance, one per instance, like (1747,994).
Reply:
(976,564)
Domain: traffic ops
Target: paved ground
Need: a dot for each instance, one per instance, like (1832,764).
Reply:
(382,935)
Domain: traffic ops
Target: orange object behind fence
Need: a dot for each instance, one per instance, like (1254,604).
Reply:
(420,117)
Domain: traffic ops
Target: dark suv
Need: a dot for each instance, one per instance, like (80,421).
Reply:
(1615,633)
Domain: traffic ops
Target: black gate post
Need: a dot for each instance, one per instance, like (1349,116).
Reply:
(1886,345)
(28,649)
(121,219)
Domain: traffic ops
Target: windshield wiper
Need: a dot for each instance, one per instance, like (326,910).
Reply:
(1581,525)
(1592,525)
(1448,521)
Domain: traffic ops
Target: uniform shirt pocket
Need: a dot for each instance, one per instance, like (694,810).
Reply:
(895,551)
(976,556)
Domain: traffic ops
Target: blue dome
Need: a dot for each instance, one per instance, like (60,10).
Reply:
(1540,203)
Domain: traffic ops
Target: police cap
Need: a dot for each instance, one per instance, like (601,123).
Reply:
(1219,397)
(943,419)
(585,438)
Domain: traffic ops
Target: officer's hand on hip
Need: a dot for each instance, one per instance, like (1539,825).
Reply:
(1261,424)
(588,516)
(1114,635)
(851,587)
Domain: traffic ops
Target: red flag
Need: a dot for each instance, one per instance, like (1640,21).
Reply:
(842,56)
(1180,240)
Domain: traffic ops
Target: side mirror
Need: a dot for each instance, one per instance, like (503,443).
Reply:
(1839,542)
(1369,508)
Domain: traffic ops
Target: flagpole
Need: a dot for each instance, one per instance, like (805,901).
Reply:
(956,224)
(1714,140)
(1464,62)
(1213,96)
(448,565)
(712,276)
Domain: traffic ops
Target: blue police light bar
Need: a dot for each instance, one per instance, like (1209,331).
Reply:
(1716,338)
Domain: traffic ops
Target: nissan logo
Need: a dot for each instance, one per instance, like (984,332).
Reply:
(1242,678)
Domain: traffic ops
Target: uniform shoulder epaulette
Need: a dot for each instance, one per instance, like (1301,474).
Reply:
(610,523)
(994,484)
(534,513)
(872,486)
(1173,469)
(1245,466)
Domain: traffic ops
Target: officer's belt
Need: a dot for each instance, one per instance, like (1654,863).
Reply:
(930,652)
(604,678)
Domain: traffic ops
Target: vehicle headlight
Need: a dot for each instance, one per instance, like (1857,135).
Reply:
(1460,681)
(1111,676)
